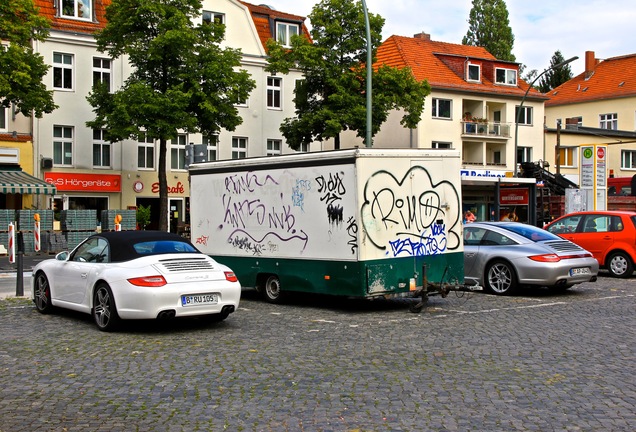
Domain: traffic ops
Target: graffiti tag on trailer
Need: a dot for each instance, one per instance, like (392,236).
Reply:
(260,224)
(409,216)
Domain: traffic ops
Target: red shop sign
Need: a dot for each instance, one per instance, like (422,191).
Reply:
(513,197)
(84,182)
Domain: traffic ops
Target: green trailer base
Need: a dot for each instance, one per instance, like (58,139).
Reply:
(364,279)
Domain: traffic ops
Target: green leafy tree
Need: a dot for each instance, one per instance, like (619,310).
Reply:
(143,216)
(489,27)
(555,77)
(182,79)
(21,69)
(332,96)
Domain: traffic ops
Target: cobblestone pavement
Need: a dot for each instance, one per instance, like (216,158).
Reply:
(535,362)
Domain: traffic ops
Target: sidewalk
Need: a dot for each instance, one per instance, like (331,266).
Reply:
(28,262)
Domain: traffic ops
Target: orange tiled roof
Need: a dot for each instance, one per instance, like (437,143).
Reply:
(261,15)
(48,10)
(442,65)
(608,79)
(21,137)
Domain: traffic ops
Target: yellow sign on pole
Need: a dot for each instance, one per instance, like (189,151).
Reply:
(593,175)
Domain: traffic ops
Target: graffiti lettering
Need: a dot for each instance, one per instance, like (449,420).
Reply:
(202,240)
(332,188)
(245,244)
(334,214)
(237,212)
(240,214)
(402,215)
(409,212)
(433,244)
(352,230)
(298,193)
(245,241)
(247,182)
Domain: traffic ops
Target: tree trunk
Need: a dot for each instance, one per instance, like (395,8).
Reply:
(336,142)
(163,186)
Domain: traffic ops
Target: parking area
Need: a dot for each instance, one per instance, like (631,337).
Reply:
(471,361)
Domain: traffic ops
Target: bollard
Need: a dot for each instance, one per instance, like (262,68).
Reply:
(19,255)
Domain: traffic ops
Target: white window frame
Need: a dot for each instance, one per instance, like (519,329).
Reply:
(101,73)
(209,16)
(572,151)
(628,159)
(61,69)
(470,66)
(178,152)
(4,118)
(441,145)
(82,9)
(284,32)
(524,154)
(274,147)
(526,111)
(104,147)
(212,145)
(509,78)
(146,145)
(304,147)
(239,147)
(274,93)
(435,111)
(63,140)
(608,121)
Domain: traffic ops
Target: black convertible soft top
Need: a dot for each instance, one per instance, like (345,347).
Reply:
(122,242)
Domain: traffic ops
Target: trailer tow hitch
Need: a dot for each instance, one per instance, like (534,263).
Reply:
(441,289)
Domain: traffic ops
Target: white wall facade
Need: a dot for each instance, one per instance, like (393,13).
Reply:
(259,122)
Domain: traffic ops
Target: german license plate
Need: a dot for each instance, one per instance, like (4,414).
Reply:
(580,271)
(199,299)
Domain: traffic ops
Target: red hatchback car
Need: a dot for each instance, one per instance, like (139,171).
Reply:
(609,235)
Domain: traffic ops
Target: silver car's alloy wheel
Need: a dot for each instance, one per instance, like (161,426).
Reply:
(500,278)
(104,311)
(620,265)
(42,293)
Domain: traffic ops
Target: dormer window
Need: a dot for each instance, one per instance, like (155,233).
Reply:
(473,73)
(213,17)
(284,33)
(77,9)
(506,76)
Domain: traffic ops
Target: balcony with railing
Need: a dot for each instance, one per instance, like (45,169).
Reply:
(486,129)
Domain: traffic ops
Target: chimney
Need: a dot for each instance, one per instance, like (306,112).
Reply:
(572,123)
(423,36)
(590,63)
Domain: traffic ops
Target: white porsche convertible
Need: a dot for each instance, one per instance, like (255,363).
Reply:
(136,275)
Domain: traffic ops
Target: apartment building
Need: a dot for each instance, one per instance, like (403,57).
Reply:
(472,107)
(597,107)
(89,172)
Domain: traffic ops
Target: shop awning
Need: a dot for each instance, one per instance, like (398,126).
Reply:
(19,182)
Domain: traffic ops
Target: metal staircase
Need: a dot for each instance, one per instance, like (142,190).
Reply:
(548,185)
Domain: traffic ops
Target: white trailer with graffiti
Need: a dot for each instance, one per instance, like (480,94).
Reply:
(360,222)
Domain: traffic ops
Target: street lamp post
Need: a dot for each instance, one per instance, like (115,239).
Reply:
(556,66)
(369,143)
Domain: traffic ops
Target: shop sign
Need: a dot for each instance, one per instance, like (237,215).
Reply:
(509,197)
(466,173)
(70,182)
(177,189)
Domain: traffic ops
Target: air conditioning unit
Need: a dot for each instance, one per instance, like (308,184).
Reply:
(47,163)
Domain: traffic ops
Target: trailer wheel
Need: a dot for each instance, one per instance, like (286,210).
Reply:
(272,289)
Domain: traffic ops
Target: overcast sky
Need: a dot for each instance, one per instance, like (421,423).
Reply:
(541,27)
